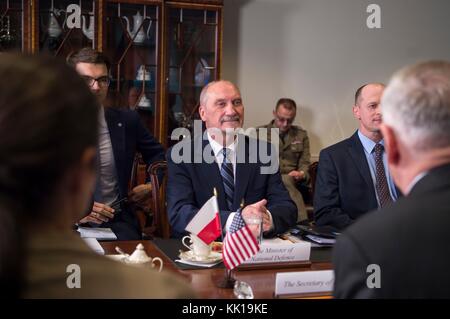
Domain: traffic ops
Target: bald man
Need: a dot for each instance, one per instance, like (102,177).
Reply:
(228,164)
(352,176)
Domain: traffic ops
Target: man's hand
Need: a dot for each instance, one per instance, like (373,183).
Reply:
(255,212)
(140,193)
(297,175)
(100,213)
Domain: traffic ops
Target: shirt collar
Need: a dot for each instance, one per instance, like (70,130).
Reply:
(367,143)
(415,181)
(217,148)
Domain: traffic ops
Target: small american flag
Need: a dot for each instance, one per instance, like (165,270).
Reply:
(239,243)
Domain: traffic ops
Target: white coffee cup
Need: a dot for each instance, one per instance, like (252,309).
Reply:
(254,223)
(197,246)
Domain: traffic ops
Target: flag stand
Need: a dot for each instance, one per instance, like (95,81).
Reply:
(227,281)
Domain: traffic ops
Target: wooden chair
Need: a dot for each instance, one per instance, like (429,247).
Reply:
(313,175)
(139,176)
(160,226)
(152,214)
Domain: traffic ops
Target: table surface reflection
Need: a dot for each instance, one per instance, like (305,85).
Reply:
(205,281)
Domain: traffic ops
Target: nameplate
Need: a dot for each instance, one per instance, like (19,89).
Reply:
(278,253)
(304,282)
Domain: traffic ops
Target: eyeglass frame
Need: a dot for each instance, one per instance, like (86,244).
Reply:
(99,80)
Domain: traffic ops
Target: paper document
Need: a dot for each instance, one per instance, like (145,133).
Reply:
(321,240)
(94,245)
(97,232)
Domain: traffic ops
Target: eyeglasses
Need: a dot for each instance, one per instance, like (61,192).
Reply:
(102,81)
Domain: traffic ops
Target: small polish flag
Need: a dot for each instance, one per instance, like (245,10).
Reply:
(206,223)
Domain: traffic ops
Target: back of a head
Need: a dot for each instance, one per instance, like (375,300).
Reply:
(416,103)
(48,117)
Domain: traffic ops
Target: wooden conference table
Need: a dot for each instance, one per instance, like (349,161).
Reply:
(204,280)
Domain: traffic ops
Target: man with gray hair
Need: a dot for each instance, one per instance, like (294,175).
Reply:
(228,163)
(402,250)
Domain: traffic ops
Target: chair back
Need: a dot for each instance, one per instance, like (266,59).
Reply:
(160,226)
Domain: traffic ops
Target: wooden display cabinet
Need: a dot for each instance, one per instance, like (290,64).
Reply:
(162,52)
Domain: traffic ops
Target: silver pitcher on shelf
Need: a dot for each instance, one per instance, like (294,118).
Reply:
(138,34)
(6,33)
(53,29)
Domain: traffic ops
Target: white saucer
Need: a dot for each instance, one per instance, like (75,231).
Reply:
(211,258)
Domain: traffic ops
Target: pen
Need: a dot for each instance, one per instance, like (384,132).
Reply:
(118,202)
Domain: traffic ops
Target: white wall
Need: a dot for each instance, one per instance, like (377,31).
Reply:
(319,51)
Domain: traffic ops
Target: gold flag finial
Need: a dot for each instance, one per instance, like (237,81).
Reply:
(215,191)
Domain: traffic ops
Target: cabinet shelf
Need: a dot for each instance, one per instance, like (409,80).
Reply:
(181,34)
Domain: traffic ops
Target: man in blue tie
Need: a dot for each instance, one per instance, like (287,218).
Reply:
(402,251)
(227,163)
(352,176)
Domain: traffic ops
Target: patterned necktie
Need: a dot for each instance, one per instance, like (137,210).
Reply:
(381,183)
(226,170)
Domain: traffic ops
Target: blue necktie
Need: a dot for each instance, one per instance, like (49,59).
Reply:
(226,170)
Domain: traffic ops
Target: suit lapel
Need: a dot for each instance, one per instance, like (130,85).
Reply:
(356,151)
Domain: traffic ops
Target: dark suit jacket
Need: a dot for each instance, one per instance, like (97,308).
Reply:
(129,136)
(344,188)
(191,185)
(408,240)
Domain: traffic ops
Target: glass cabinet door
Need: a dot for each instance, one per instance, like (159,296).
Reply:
(192,62)
(64,26)
(131,42)
(11,25)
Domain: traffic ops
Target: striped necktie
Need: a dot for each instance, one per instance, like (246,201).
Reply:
(226,170)
(381,183)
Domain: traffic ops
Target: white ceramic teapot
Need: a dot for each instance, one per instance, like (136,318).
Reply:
(143,74)
(139,256)
(138,34)
(144,102)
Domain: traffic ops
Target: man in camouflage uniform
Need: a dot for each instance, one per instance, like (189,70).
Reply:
(294,151)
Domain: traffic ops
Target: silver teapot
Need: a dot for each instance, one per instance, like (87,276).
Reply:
(54,30)
(145,102)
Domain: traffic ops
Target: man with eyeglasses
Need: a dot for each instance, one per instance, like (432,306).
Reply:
(121,135)
(294,154)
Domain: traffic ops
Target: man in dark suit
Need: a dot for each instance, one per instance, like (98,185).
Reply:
(352,175)
(121,135)
(228,162)
(402,251)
